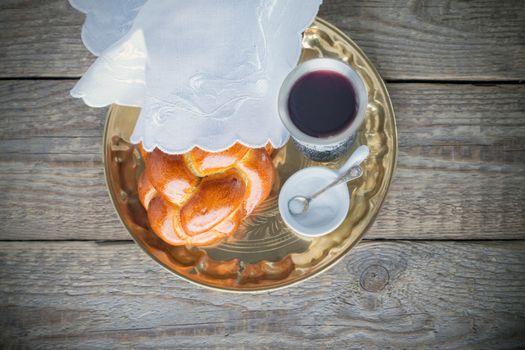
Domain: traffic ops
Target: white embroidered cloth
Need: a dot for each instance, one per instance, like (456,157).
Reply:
(206,73)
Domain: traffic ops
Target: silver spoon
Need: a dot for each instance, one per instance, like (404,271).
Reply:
(351,170)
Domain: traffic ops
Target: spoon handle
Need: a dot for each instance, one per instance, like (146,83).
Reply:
(359,155)
(352,174)
(349,171)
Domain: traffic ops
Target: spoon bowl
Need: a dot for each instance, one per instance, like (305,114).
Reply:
(299,205)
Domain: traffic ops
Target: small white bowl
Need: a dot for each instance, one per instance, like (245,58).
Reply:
(325,213)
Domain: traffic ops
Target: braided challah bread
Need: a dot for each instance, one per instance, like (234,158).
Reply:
(199,198)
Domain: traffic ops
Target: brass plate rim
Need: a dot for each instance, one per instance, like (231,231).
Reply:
(328,266)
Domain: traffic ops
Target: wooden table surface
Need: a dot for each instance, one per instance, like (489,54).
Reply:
(443,267)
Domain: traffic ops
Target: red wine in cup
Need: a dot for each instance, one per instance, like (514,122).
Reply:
(322,103)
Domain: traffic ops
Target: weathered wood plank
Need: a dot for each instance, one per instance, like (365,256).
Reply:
(436,39)
(52,178)
(461,168)
(459,40)
(41,38)
(384,295)
(460,173)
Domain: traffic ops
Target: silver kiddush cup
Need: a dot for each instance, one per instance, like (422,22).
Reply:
(331,147)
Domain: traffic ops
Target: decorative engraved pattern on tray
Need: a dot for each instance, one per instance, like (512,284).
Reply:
(264,254)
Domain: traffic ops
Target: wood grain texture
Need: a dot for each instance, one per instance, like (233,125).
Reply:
(41,38)
(461,165)
(460,172)
(52,178)
(432,295)
(406,39)
(436,39)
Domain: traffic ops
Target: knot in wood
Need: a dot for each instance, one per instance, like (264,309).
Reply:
(374,278)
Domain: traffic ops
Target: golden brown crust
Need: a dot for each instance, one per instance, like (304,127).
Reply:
(259,173)
(146,190)
(161,217)
(217,197)
(231,223)
(205,239)
(143,152)
(200,197)
(170,176)
(206,163)
(268,148)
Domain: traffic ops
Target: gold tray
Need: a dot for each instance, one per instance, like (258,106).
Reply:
(264,254)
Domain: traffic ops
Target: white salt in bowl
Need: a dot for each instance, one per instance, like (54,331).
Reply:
(325,212)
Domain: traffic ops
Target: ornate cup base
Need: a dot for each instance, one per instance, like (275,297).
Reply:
(324,153)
